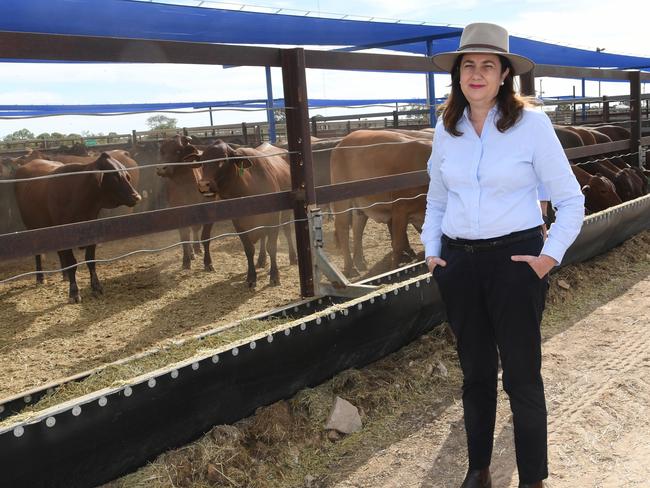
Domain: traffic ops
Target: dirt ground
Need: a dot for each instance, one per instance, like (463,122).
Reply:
(597,376)
(596,366)
(148,300)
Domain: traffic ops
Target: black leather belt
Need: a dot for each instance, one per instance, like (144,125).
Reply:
(471,245)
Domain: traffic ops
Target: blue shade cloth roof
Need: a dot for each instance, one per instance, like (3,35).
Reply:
(160,21)
(18,111)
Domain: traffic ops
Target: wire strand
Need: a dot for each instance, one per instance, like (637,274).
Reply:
(155,165)
(606,159)
(150,251)
(375,204)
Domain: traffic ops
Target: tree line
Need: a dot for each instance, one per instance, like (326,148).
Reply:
(155,122)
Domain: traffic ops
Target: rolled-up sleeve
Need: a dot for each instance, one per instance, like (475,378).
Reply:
(561,187)
(436,199)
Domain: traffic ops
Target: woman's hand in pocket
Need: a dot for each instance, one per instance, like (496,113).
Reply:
(541,264)
(433,261)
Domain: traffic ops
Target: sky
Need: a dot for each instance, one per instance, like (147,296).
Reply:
(580,23)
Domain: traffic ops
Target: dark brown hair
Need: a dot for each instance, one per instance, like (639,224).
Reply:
(510,104)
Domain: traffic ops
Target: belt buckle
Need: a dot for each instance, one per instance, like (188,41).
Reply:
(468,248)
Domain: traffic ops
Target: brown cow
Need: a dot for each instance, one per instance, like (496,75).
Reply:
(425,134)
(567,137)
(617,133)
(614,132)
(72,198)
(253,172)
(628,184)
(599,137)
(8,168)
(120,155)
(586,136)
(402,154)
(599,191)
(181,189)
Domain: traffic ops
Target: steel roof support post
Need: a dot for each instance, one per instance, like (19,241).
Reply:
(635,115)
(431,88)
(584,94)
(299,146)
(270,113)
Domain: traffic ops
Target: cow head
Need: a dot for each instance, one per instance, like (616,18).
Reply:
(218,167)
(30,155)
(115,183)
(600,194)
(175,150)
(625,185)
(7,168)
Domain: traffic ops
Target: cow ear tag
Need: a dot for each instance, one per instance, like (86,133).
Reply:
(241,168)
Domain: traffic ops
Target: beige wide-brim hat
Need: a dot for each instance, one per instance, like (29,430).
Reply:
(484,38)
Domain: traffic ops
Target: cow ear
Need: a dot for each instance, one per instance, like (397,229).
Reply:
(230,152)
(185,140)
(586,189)
(102,164)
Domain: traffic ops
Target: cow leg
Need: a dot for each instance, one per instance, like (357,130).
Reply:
(205,239)
(261,257)
(64,273)
(249,249)
(409,250)
(68,260)
(39,269)
(359,221)
(288,234)
(342,223)
(188,255)
(196,246)
(272,248)
(96,286)
(399,239)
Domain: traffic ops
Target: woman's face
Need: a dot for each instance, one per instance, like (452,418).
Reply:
(481,77)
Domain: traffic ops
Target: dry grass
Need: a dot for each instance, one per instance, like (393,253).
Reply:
(117,375)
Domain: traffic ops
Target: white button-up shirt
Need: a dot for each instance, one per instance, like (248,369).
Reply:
(485,187)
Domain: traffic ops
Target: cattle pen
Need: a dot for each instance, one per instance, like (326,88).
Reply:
(324,334)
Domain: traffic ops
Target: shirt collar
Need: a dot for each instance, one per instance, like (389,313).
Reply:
(490,116)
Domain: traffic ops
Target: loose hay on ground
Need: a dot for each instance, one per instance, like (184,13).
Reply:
(120,374)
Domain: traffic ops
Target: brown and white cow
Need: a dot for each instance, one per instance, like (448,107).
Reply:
(75,197)
(396,153)
(181,189)
(241,172)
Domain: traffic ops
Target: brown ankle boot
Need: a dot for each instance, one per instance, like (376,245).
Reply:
(477,478)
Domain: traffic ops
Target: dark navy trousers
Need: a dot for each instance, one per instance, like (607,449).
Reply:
(494,306)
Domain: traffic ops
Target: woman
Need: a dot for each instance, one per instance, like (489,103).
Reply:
(484,245)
